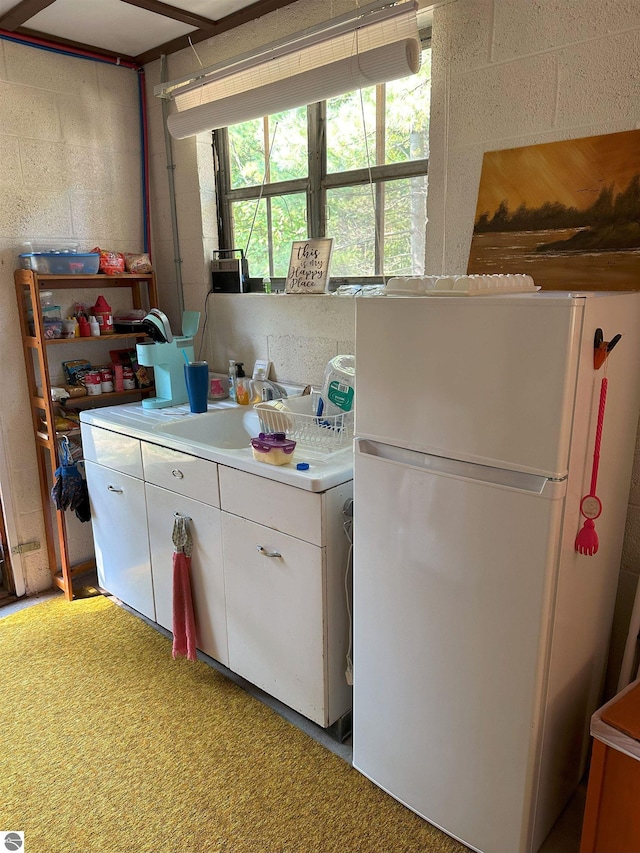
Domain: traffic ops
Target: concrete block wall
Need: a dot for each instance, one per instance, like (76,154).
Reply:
(508,73)
(71,171)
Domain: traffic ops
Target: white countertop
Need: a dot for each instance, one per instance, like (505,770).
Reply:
(326,470)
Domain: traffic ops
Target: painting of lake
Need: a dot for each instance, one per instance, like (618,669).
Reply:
(567,213)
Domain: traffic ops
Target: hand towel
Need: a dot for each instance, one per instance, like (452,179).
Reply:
(184,627)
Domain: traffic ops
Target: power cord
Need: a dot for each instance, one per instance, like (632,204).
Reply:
(347,514)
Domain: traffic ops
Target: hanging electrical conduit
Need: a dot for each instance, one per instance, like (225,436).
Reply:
(53,47)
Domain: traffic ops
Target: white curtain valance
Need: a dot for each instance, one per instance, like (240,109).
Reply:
(373,48)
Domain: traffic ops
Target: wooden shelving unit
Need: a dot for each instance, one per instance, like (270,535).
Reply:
(43,409)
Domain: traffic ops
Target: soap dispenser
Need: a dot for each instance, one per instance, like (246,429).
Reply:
(232,379)
(242,385)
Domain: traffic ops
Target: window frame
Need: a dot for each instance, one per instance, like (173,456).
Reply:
(314,185)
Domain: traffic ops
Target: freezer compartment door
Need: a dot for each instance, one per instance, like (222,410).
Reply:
(454,580)
(486,380)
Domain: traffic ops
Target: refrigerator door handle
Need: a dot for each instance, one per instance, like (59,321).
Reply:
(502,477)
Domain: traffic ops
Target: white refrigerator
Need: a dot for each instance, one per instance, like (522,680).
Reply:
(480,633)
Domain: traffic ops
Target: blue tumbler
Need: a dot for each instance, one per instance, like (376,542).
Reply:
(196,376)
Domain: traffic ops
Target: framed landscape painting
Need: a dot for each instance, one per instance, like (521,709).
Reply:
(566,213)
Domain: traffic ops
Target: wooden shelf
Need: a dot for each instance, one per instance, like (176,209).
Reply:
(98,399)
(36,350)
(94,340)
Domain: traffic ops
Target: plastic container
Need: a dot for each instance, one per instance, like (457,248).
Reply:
(130,321)
(102,313)
(95,327)
(273,448)
(56,263)
(69,328)
(51,319)
(338,389)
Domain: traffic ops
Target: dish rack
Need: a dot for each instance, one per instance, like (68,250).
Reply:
(295,416)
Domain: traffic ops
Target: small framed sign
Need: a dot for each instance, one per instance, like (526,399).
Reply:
(309,266)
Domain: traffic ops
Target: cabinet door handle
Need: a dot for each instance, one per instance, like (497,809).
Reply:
(177,473)
(115,489)
(266,553)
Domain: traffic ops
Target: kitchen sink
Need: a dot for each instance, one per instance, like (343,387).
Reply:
(224,428)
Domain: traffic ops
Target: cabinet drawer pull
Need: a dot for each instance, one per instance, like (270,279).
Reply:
(266,553)
(177,473)
(115,489)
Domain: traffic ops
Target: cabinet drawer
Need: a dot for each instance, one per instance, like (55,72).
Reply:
(187,475)
(111,449)
(276,505)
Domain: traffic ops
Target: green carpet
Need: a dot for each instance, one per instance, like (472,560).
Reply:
(111,745)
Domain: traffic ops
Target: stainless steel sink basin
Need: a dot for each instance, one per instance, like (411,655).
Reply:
(224,428)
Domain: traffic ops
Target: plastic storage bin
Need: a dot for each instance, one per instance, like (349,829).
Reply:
(55,263)
(52,321)
(612,817)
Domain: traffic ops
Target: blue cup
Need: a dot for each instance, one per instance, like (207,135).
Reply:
(196,376)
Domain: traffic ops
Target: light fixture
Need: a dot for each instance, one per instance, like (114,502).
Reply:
(372,45)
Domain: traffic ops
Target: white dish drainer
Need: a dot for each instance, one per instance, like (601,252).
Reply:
(297,419)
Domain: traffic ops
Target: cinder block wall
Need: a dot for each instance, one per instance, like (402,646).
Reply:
(70,170)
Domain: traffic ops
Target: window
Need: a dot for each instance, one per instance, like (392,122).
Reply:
(353,168)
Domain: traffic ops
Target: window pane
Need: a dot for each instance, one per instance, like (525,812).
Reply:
(347,144)
(287,215)
(351,123)
(351,223)
(407,115)
(285,134)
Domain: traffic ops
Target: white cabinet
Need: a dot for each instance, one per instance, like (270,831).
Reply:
(268,569)
(119,519)
(275,620)
(285,560)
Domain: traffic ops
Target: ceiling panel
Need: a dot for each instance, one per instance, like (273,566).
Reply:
(141,30)
(108,24)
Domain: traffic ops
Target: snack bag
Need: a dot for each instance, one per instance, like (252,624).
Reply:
(111,263)
(137,263)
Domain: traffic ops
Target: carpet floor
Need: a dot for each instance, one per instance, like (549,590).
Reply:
(111,745)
